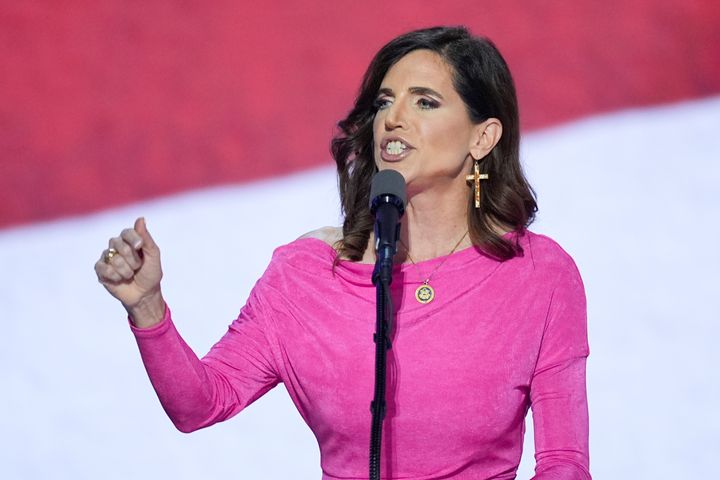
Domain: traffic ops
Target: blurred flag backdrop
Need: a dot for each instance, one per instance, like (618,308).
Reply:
(213,119)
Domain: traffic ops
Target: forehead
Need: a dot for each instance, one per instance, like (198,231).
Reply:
(419,68)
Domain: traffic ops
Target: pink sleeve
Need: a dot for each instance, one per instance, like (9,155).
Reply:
(198,393)
(557,391)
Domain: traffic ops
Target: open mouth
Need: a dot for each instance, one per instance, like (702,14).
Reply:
(395,147)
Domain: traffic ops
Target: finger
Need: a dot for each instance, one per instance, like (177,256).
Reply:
(149,246)
(132,238)
(121,266)
(106,273)
(129,254)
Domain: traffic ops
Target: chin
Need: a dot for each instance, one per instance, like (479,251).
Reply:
(397,166)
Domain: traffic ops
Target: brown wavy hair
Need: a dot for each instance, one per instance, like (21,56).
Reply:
(483,81)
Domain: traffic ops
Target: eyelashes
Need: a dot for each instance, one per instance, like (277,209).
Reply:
(427,103)
(381,103)
(423,103)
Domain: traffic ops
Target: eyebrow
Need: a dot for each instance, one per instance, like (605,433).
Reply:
(414,90)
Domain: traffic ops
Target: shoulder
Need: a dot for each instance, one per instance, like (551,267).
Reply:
(554,271)
(547,256)
(329,235)
(308,251)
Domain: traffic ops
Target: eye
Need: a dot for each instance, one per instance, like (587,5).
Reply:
(427,103)
(382,103)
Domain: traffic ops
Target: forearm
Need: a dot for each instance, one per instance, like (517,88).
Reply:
(562,470)
(560,418)
(192,395)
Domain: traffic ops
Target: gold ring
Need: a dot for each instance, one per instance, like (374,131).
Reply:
(111,252)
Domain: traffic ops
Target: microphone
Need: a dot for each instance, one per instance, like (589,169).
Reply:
(387,204)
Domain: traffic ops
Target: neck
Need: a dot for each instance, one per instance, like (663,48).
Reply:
(431,227)
(434,223)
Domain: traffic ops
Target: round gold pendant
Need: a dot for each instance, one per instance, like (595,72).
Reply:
(424,293)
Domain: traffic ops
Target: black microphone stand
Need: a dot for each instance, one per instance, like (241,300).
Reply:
(382,345)
(382,278)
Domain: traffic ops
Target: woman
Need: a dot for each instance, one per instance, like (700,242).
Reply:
(490,318)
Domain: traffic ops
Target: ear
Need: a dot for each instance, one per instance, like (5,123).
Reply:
(485,136)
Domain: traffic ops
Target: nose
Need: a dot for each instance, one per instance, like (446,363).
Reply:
(395,116)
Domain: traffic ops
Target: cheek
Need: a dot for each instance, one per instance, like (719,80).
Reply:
(448,137)
(376,132)
(378,127)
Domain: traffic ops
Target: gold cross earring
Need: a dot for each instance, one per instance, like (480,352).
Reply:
(475,178)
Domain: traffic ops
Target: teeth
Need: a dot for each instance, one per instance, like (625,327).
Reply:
(395,147)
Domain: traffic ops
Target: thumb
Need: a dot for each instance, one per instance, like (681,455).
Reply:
(148,244)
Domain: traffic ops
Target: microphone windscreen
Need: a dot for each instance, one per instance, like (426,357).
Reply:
(388,182)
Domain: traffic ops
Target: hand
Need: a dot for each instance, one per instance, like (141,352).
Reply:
(131,272)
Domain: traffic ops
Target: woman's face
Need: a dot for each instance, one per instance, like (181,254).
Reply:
(422,128)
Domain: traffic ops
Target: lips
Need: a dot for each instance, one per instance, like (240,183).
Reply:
(394,148)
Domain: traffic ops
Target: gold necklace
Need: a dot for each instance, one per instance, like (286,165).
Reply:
(425,293)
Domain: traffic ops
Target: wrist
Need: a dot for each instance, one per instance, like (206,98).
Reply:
(148,311)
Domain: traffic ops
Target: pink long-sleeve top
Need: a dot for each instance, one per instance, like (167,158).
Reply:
(499,337)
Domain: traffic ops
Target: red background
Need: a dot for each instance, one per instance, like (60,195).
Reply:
(106,102)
